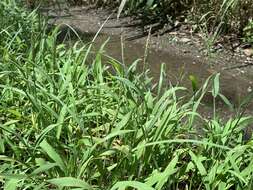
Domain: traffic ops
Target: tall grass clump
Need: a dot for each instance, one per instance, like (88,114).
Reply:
(70,123)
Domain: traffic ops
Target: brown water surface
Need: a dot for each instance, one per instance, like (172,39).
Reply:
(178,68)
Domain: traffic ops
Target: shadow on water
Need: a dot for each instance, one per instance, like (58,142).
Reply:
(178,67)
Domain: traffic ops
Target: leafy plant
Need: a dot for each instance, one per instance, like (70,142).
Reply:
(211,17)
(248,32)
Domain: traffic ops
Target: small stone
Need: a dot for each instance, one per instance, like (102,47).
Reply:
(237,50)
(249,89)
(249,59)
(173,33)
(185,40)
(177,23)
(236,44)
(248,52)
(218,46)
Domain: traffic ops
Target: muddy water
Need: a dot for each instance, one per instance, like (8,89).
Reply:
(178,68)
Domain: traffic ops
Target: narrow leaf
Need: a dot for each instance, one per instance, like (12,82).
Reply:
(70,182)
(52,154)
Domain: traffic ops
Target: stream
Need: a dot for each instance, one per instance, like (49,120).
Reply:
(178,69)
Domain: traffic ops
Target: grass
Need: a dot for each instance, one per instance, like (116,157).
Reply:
(70,123)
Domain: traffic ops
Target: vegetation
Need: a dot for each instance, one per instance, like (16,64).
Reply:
(70,123)
(215,16)
(248,32)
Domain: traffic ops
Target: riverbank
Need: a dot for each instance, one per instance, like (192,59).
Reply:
(180,51)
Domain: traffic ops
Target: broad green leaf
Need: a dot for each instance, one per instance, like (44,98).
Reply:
(11,184)
(53,154)
(216,85)
(43,133)
(61,121)
(170,170)
(194,82)
(129,84)
(161,78)
(238,175)
(226,101)
(120,125)
(121,7)
(161,178)
(44,168)
(70,182)
(198,163)
(11,122)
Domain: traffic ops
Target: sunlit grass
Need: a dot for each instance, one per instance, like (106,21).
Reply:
(70,123)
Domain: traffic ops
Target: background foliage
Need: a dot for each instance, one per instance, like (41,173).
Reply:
(215,16)
(228,15)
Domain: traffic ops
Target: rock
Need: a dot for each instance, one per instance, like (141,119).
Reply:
(218,47)
(235,44)
(173,33)
(177,23)
(185,40)
(249,89)
(248,52)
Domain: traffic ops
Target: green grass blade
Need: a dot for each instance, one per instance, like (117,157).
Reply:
(70,182)
(53,154)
